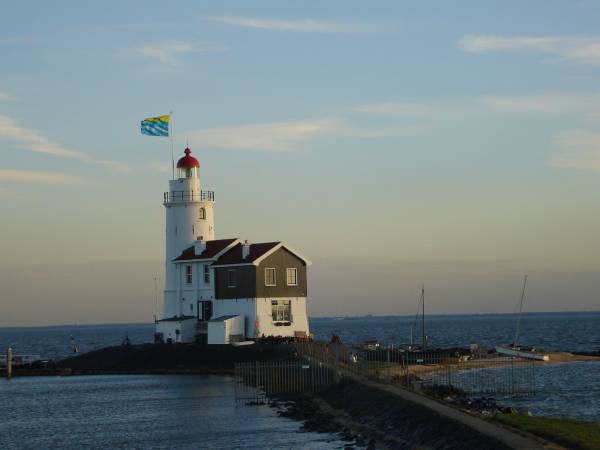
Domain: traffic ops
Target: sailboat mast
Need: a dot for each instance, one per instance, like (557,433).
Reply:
(424,345)
(516,341)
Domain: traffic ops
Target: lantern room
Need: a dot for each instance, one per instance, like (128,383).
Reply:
(187,167)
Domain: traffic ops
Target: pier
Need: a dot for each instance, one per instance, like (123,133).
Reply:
(8,363)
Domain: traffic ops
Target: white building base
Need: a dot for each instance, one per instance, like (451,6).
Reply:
(177,330)
(225,330)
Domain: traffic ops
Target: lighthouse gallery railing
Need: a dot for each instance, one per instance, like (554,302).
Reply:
(188,196)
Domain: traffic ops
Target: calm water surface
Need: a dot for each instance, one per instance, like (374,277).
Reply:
(142,411)
(566,390)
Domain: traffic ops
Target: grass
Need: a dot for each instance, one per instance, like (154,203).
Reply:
(570,433)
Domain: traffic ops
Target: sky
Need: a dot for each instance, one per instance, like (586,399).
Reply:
(394,143)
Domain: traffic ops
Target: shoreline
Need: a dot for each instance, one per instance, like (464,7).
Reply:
(555,358)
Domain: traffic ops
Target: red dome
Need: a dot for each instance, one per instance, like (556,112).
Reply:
(187,162)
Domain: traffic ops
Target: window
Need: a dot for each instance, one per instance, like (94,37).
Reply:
(202,214)
(281,310)
(188,274)
(270,279)
(206,274)
(231,278)
(292,276)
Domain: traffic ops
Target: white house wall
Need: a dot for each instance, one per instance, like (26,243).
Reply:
(220,332)
(177,331)
(244,307)
(189,294)
(299,320)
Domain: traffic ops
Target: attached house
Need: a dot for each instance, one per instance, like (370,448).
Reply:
(263,284)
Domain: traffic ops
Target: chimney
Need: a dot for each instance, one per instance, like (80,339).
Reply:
(199,245)
(245,249)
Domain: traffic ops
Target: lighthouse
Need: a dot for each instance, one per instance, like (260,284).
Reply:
(189,218)
(222,291)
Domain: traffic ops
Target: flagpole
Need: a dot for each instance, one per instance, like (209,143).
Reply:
(172,146)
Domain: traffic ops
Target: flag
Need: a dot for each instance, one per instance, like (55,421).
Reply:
(156,126)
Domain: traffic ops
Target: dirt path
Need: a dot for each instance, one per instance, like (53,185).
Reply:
(510,438)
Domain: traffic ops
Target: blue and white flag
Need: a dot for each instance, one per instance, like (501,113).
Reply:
(156,126)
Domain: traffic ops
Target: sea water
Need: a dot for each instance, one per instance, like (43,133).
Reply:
(144,412)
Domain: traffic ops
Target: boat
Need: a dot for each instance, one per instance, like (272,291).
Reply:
(514,349)
(519,352)
(421,304)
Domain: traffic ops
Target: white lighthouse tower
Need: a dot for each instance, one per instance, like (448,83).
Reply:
(189,219)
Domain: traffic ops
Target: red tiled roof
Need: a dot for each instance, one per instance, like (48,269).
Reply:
(234,255)
(212,249)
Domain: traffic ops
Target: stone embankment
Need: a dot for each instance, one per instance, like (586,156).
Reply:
(385,417)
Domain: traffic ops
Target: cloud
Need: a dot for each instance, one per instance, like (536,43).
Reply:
(284,136)
(490,43)
(573,149)
(33,140)
(274,136)
(577,149)
(169,53)
(301,25)
(547,103)
(37,177)
(584,50)
(396,109)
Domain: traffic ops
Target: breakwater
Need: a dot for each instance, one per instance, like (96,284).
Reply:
(382,420)
(159,359)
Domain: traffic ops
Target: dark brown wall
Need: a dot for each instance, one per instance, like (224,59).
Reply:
(281,260)
(251,279)
(246,282)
